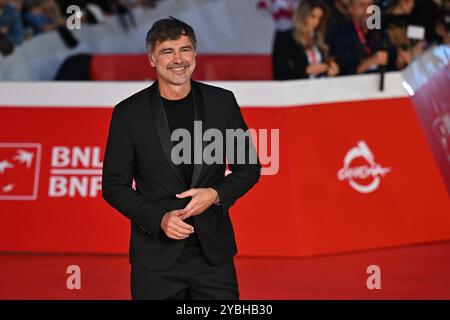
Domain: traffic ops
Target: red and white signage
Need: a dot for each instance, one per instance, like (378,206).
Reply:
(352,174)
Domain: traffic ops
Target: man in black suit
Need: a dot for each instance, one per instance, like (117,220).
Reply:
(182,240)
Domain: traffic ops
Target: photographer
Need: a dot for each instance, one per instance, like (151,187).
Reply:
(359,49)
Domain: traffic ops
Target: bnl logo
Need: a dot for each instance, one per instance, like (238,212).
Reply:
(19,170)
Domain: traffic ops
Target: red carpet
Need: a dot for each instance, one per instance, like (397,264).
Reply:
(418,272)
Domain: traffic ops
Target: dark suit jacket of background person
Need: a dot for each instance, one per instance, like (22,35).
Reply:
(139,146)
(349,51)
(289,60)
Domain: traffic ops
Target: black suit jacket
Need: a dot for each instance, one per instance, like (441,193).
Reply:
(289,60)
(139,148)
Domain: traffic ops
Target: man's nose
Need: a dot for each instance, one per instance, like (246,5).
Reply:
(177,57)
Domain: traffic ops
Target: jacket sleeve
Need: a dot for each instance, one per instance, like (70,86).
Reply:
(117,178)
(288,58)
(244,174)
(346,53)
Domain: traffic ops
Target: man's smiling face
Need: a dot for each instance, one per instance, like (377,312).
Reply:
(174,60)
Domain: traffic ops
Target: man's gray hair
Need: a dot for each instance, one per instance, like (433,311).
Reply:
(168,29)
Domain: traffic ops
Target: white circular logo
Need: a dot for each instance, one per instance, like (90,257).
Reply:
(372,170)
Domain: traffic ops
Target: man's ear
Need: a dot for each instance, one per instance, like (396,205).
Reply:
(150,59)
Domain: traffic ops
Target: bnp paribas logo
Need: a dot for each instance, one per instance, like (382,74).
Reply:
(360,169)
(19,170)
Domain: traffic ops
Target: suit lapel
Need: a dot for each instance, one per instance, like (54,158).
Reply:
(199,115)
(162,129)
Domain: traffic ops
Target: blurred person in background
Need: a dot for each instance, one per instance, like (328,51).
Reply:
(43,16)
(424,14)
(301,52)
(396,23)
(146,3)
(281,12)
(18,4)
(11,29)
(337,19)
(443,24)
(93,11)
(360,50)
(108,8)
(98,11)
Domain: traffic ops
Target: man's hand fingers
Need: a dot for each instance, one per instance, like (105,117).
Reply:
(180,223)
(179,212)
(186,216)
(176,235)
(180,229)
(187,193)
(189,214)
(190,206)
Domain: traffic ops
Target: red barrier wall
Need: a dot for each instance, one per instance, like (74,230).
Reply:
(209,67)
(309,207)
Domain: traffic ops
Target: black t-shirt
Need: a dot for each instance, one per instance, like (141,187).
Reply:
(180,114)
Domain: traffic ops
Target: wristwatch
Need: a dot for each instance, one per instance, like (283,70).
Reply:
(217,202)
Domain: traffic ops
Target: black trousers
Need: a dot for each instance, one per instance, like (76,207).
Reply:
(191,277)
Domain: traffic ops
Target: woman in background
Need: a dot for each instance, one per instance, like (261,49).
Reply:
(301,52)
